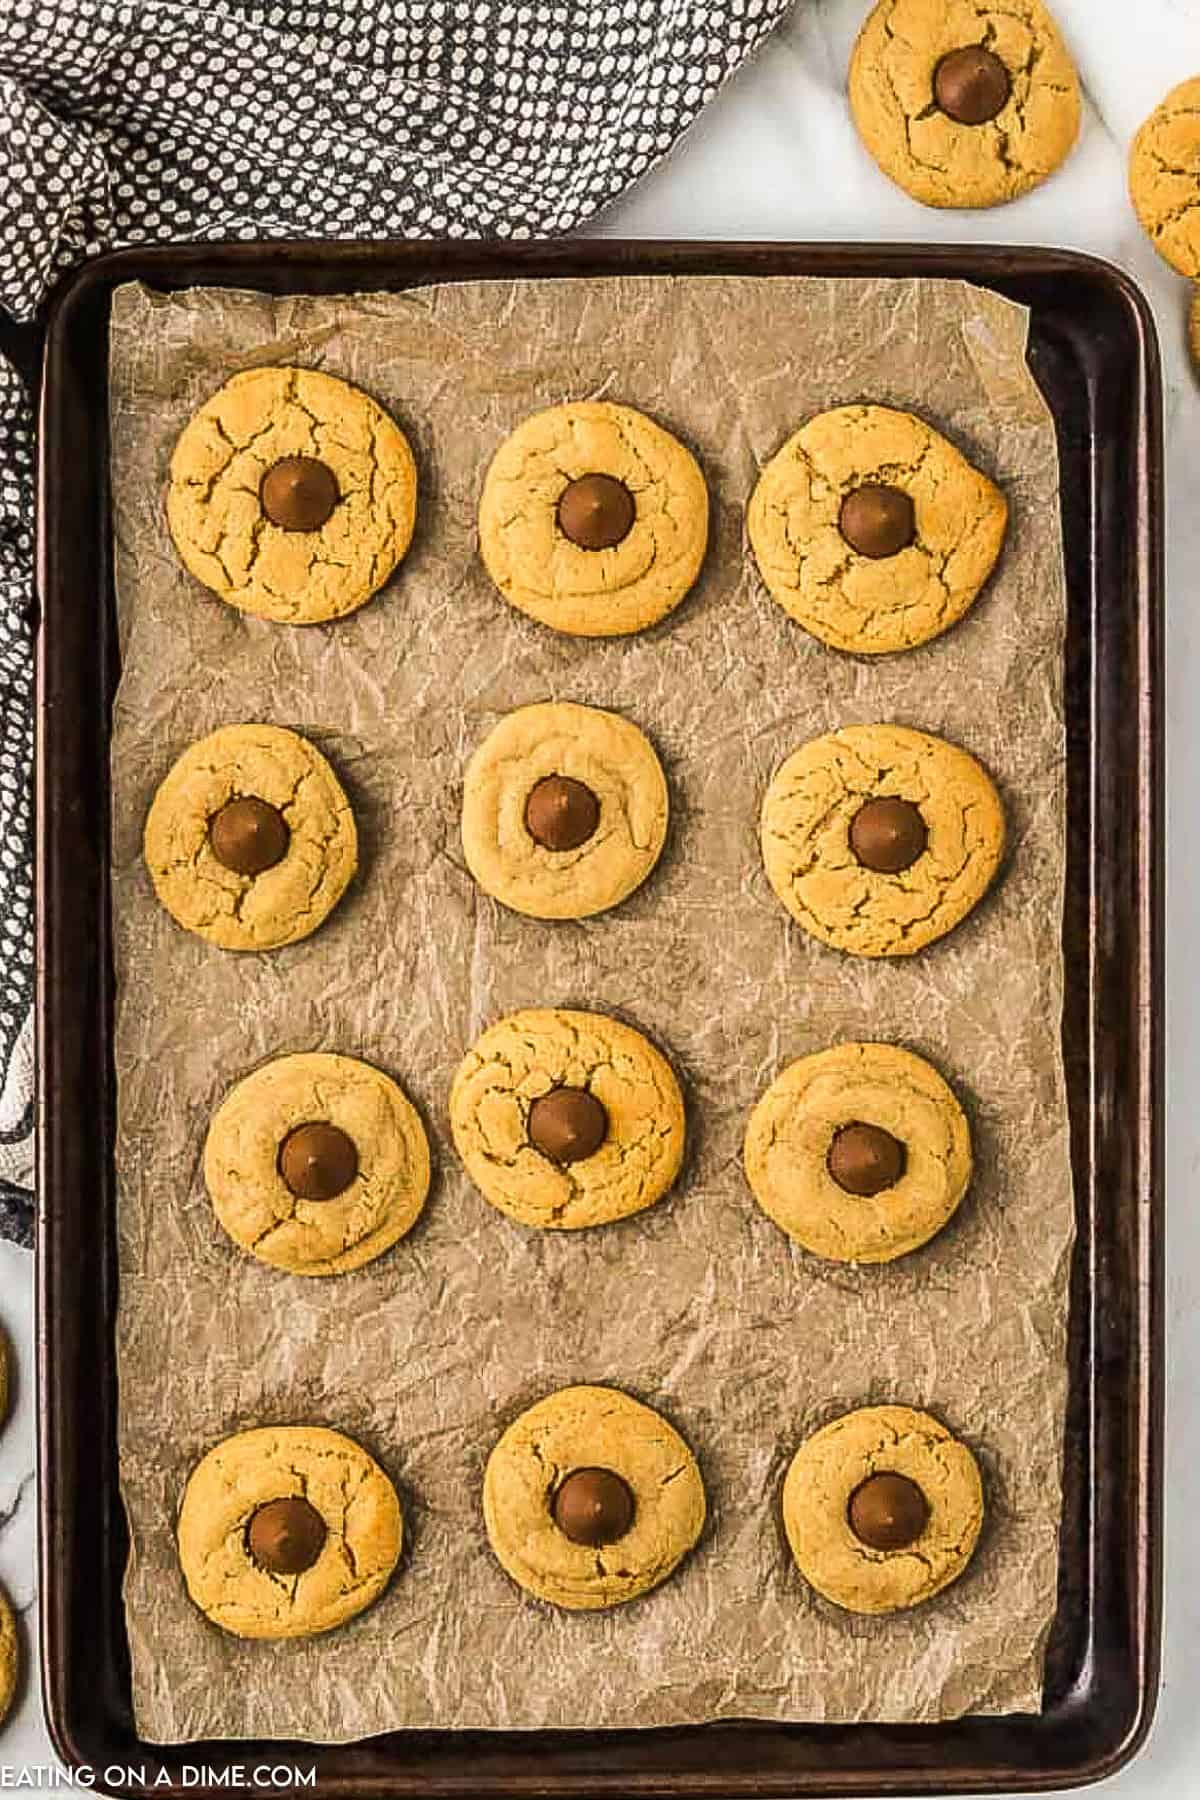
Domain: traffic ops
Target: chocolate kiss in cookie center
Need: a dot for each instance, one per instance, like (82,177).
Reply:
(318,1161)
(971,85)
(298,493)
(864,1159)
(596,511)
(877,519)
(888,1512)
(888,834)
(593,1506)
(567,1124)
(248,835)
(561,813)
(286,1536)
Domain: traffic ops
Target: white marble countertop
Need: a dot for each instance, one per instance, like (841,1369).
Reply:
(775,157)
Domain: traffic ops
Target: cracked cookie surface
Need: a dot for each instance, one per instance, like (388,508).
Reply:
(593,593)
(791,1133)
(832,1464)
(216,515)
(591,1427)
(285,902)
(529,1054)
(934,157)
(811,804)
(260,1211)
(874,604)
(610,757)
(356,1502)
(9,1661)
(1164,177)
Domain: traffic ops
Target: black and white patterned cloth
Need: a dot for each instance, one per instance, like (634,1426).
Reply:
(127,121)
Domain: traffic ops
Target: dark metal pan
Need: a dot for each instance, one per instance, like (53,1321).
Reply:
(1093,352)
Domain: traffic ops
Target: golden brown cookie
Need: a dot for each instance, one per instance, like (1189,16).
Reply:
(1164,177)
(882,1509)
(872,530)
(860,1152)
(964,102)
(593,519)
(316,1163)
(879,839)
(292,495)
(286,1531)
(9,1656)
(564,810)
(250,841)
(567,1119)
(591,1498)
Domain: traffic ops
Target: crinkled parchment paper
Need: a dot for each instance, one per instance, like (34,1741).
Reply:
(701,1305)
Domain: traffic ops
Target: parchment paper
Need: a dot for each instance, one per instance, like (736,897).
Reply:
(700,1305)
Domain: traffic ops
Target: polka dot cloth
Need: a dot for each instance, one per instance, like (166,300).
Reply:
(129,121)
(16,808)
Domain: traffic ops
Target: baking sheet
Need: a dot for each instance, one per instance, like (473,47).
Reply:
(700,1305)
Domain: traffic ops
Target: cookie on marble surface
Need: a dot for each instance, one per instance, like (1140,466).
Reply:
(292,495)
(882,1509)
(564,810)
(964,102)
(567,1119)
(1164,177)
(593,519)
(286,1531)
(879,839)
(872,530)
(860,1153)
(316,1163)
(591,1498)
(9,1656)
(250,841)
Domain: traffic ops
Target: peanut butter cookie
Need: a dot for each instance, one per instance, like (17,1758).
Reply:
(564,810)
(879,839)
(882,1509)
(9,1656)
(593,519)
(1164,177)
(567,1119)
(591,1498)
(316,1164)
(250,841)
(963,102)
(872,530)
(287,1531)
(292,495)
(860,1152)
